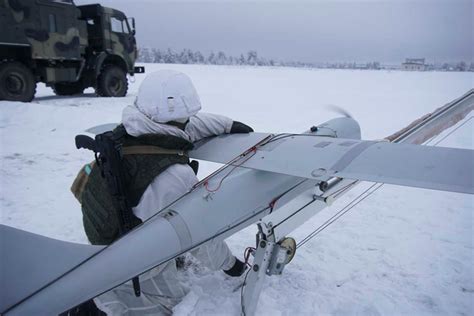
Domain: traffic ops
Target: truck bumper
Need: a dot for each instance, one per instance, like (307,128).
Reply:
(139,70)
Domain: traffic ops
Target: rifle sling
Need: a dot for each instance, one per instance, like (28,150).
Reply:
(151,150)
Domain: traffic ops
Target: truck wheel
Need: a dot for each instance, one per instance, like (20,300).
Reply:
(69,88)
(17,83)
(112,82)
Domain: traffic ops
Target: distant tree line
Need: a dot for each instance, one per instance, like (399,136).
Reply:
(188,56)
(458,66)
(251,58)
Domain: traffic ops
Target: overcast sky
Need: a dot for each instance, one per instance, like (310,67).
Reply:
(311,31)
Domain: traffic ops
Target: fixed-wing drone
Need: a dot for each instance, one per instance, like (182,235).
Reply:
(278,181)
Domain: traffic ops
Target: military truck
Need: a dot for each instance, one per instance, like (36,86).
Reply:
(68,47)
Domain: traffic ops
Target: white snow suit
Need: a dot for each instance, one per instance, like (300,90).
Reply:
(161,290)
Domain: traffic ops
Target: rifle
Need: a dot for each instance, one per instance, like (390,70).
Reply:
(108,155)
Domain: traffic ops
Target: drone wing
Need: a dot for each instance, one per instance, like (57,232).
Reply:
(316,157)
(30,262)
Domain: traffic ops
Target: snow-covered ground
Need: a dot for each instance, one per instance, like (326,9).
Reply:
(401,251)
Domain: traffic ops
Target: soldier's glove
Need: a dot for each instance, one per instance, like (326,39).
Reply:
(194,164)
(237,269)
(239,128)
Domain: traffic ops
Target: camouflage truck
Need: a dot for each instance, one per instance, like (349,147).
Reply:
(67,47)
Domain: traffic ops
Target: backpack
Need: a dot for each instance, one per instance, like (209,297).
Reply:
(144,158)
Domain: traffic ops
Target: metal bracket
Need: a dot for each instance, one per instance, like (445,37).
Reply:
(254,280)
(270,258)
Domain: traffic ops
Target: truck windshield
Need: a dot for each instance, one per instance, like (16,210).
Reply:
(119,26)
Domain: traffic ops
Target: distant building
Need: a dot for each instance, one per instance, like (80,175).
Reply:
(414,64)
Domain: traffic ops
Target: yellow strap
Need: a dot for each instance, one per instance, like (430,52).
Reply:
(150,150)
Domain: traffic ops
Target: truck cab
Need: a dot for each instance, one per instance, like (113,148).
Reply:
(109,31)
(67,47)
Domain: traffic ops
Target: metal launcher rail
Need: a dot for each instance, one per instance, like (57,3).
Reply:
(274,250)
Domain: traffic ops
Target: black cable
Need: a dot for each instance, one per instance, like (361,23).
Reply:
(295,212)
(338,215)
(344,188)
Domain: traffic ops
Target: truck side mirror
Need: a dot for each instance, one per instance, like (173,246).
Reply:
(133,25)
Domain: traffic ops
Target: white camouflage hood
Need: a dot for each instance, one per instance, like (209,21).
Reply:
(167,95)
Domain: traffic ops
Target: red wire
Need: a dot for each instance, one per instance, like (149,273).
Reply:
(252,150)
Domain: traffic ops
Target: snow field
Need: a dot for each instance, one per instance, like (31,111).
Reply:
(402,251)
